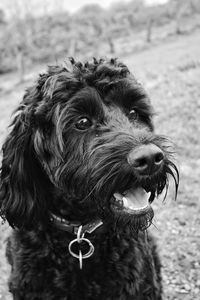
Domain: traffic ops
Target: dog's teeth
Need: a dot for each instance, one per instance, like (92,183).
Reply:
(125,201)
(118,200)
(118,196)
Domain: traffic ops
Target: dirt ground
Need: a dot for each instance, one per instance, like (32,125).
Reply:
(171,74)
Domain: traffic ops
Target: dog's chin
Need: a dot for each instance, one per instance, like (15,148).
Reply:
(133,208)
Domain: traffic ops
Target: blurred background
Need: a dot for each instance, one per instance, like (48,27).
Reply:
(159,40)
(34,32)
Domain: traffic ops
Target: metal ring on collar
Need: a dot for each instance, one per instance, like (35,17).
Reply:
(78,240)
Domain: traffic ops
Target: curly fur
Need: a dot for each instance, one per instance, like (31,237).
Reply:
(51,166)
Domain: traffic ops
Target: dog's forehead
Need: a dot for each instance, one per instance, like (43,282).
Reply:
(106,85)
(127,93)
(87,99)
(123,93)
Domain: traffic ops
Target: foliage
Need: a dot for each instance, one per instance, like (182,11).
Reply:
(26,39)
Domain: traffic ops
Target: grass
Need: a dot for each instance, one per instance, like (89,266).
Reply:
(170,72)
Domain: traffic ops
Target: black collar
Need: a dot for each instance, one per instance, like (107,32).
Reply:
(73,228)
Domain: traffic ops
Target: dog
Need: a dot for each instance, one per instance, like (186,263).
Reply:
(80,169)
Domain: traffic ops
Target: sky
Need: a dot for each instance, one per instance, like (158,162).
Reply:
(69,5)
(74,5)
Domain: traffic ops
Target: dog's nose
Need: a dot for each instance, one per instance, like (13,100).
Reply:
(146,159)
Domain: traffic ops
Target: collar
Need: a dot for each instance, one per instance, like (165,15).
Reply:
(73,228)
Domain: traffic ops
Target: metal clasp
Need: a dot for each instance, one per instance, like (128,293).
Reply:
(80,238)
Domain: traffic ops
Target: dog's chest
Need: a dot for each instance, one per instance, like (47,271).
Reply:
(113,269)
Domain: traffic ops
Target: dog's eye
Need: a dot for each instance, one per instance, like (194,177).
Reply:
(83,124)
(133,114)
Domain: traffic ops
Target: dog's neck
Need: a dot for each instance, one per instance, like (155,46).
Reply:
(73,227)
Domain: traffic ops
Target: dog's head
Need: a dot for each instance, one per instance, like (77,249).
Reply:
(82,146)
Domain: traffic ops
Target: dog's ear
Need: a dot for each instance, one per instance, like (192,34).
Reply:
(22,183)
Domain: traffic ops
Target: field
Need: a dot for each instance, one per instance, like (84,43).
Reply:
(170,72)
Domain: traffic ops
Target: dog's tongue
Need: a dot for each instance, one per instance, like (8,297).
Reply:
(135,199)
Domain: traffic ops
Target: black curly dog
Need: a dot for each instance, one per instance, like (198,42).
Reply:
(81,167)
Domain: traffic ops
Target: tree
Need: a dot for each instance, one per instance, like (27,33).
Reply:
(25,27)
(2,17)
(19,35)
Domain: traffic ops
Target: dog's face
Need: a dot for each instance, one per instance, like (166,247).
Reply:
(82,147)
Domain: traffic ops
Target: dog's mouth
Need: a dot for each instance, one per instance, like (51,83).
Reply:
(132,201)
(133,207)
